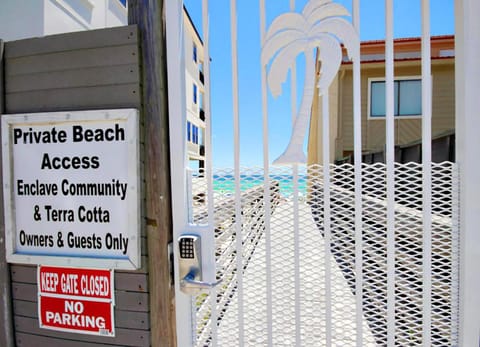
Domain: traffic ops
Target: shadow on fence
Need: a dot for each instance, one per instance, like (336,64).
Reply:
(408,246)
(252,206)
(443,149)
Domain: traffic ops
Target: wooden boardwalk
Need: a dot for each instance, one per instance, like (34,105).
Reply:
(302,298)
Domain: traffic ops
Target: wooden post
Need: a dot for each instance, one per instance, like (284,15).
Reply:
(6,330)
(148,16)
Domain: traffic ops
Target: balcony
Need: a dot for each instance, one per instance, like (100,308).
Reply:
(202,114)
(195,151)
(192,150)
(201,77)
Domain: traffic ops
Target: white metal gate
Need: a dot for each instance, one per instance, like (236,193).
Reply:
(299,281)
(319,255)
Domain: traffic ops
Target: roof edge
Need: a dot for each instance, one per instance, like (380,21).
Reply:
(193,25)
(397,60)
(407,39)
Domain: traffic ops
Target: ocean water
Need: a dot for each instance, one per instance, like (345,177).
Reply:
(225,183)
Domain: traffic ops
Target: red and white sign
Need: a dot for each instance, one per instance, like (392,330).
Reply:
(76,300)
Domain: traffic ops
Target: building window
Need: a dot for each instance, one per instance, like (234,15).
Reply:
(192,133)
(194,52)
(202,106)
(195,135)
(201,136)
(123,2)
(407,97)
(194,93)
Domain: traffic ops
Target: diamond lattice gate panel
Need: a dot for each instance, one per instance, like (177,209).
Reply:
(322,254)
(312,295)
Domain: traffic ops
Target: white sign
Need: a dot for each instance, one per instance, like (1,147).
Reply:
(71,188)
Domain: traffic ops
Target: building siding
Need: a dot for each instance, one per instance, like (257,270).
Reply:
(406,130)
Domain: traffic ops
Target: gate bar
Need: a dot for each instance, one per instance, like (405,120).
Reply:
(427,172)
(296,219)
(326,216)
(455,249)
(177,123)
(357,134)
(209,171)
(236,136)
(467,125)
(390,159)
(266,187)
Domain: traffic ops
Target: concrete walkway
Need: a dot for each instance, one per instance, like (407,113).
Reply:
(298,302)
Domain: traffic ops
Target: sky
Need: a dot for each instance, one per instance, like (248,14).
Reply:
(407,23)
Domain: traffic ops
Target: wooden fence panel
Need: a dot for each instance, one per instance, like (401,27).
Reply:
(98,69)
(6,331)
(123,337)
(27,340)
(123,319)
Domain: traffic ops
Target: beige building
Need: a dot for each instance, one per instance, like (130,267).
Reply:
(408,104)
(195,86)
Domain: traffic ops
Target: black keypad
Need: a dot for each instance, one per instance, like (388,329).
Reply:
(186,248)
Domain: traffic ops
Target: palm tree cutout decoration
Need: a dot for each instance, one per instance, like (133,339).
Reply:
(320,25)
